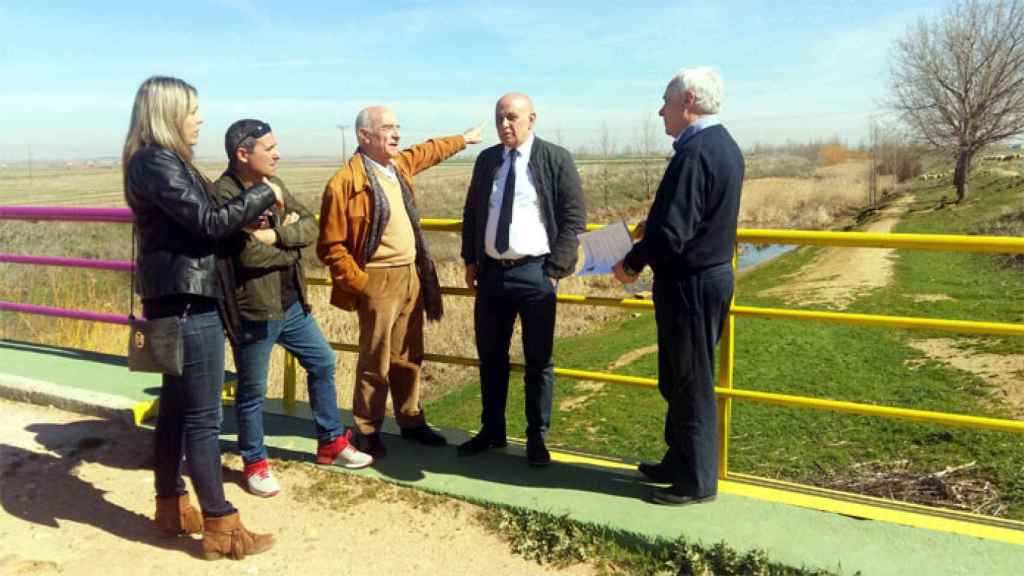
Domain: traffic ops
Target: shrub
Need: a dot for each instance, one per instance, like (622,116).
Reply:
(832,154)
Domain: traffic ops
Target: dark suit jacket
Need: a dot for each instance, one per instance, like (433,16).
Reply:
(692,222)
(560,195)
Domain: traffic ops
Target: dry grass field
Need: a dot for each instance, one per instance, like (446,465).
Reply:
(806,197)
(817,201)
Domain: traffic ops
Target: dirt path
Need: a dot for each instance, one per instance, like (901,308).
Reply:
(1003,372)
(838,276)
(77,499)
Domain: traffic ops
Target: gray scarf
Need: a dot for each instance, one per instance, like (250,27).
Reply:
(430,286)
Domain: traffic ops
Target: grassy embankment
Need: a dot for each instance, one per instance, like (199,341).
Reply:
(852,363)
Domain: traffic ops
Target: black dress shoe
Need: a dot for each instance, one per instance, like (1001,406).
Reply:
(537,453)
(371,444)
(655,472)
(672,496)
(479,443)
(424,435)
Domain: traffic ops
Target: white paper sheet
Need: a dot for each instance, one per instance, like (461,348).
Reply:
(604,247)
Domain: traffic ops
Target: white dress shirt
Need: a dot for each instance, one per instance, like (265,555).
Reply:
(527,235)
(387,171)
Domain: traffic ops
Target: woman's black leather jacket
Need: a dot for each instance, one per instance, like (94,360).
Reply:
(179,225)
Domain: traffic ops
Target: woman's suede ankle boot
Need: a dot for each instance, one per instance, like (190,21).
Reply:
(175,515)
(226,536)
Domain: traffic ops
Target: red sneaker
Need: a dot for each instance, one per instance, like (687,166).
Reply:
(259,480)
(342,453)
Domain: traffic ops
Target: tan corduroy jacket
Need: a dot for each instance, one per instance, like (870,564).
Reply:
(347,208)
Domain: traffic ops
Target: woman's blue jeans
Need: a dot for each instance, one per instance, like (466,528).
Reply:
(190,417)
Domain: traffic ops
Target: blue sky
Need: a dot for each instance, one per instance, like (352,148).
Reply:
(792,70)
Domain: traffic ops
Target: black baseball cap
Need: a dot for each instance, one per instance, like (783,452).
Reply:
(241,131)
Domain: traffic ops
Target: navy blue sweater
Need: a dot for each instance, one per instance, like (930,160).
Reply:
(692,222)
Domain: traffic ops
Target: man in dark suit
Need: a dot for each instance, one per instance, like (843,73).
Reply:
(688,241)
(524,209)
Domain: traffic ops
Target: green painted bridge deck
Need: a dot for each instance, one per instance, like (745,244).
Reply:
(797,526)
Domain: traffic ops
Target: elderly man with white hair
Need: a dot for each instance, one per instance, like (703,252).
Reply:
(688,242)
(373,245)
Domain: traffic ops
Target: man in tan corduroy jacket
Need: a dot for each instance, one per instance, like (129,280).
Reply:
(370,239)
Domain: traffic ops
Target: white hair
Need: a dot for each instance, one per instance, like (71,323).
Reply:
(363,120)
(706,85)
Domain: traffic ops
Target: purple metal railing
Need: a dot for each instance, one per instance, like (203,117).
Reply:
(115,265)
(63,312)
(123,215)
(53,213)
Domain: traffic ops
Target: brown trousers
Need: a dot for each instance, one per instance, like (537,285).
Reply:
(390,349)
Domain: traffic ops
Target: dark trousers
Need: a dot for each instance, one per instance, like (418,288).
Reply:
(190,416)
(502,295)
(691,311)
(299,334)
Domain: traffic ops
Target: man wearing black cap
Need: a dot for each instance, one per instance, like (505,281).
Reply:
(271,294)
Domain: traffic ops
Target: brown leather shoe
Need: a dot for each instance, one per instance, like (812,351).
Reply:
(176,516)
(226,536)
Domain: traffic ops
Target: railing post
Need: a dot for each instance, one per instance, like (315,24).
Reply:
(726,353)
(291,367)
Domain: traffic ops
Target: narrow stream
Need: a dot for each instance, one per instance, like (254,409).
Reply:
(750,255)
(753,254)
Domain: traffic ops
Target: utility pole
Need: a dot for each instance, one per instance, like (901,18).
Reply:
(344,147)
(30,164)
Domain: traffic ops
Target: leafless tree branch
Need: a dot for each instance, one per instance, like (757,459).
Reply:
(958,82)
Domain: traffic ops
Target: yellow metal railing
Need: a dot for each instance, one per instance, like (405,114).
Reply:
(725,390)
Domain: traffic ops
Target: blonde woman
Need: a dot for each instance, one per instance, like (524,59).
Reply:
(179,274)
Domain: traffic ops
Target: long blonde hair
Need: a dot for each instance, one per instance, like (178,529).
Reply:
(158,119)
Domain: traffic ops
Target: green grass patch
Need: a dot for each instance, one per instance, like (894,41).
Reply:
(560,541)
(852,363)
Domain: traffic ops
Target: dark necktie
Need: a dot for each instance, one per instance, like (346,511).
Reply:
(505,216)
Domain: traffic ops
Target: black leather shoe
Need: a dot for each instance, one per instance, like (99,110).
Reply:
(537,453)
(655,472)
(424,435)
(479,443)
(672,496)
(371,444)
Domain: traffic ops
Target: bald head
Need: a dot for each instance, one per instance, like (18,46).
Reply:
(513,118)
(378,133)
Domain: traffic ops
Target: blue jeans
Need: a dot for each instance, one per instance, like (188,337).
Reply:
(299,334)
(190,415)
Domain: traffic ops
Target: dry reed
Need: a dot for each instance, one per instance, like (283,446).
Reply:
(616,192)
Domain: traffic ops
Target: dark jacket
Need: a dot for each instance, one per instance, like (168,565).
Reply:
(180,224)
(259,268)
(692,222)
(560,197)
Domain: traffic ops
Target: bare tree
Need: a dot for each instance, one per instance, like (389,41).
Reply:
(958,82)
(607,145)
(645,147)
(876,151)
